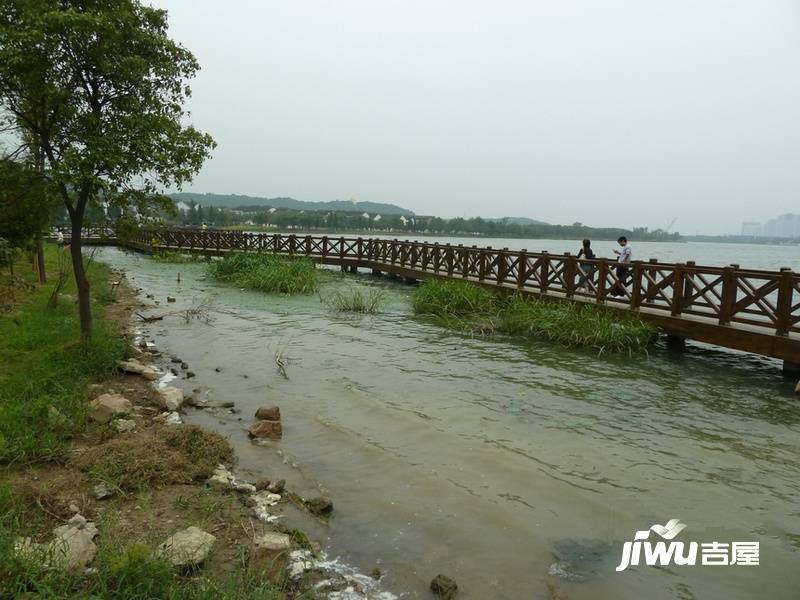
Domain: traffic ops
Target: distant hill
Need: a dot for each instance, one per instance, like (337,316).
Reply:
(235,200)
(517,221)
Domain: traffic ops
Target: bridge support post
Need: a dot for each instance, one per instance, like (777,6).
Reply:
(354,268)
(409,280)
(344,268)
(791,369)
(676,343)
(377,272)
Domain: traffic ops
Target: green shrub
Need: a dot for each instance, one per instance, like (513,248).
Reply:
(464,306)
(266,272)
(357,300)
(136,572)
(452,297)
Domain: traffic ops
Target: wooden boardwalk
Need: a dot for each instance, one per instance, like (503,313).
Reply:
(744,309)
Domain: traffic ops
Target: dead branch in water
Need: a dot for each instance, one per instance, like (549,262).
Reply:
(201,312)
(282,361)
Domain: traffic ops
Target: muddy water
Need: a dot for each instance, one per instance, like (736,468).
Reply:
(517,468)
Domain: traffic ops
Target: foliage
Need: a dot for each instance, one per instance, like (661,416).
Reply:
(356,300)
(25,203)
(44,372)
(455,305)
(96,88)
(266,272)
(452,297)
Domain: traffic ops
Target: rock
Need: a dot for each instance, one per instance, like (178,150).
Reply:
(266,429)
(262,484)
(174,371)
(189,374)
(150,374)
(221,478)
(170,299)
(73,508)
(124,425)
(171,398)
(271,543)
(218,369)
(261,503)
(170,418)
(175,359)
(225,405)
(320,506)
(269,413)
(108,406)
(132,366)
(444,587)
(101,491)
(276,487)
(70,549)
(55,417)
(376,573)
(184,365)
(187,548)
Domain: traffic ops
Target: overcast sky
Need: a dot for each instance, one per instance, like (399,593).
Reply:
(607,112)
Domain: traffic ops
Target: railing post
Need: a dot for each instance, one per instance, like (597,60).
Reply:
(784,308)
(324,246)
(307,243)
(360,250)
(522,268)
(652,288)
(482,264)
(437,257)
(677,289)
(341,250)
(728,297)
(544,272)
(449,260)
(394,251)
(502,265)
(570,269)
(636,289)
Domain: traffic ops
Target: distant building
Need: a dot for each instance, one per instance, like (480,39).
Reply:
(751,229)
(784,226)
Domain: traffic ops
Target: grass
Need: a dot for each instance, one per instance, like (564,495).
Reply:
(357,300)
(464,306)
(266,272)
(161,456)
(45,371)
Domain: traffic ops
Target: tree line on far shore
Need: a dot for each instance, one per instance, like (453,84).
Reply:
(341,221)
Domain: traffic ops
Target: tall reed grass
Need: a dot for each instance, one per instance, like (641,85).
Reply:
(266,272)
(356,300)
(464,306)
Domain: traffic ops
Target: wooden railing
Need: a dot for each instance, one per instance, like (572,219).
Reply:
(768,300)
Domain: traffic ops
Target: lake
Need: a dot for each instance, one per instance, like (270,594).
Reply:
(517,467)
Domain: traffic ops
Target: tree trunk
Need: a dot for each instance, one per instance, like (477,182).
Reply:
(40,259)
(84,299)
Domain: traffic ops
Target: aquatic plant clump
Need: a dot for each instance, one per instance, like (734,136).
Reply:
(452,297)
(356,300)
(476,310)
(266,272)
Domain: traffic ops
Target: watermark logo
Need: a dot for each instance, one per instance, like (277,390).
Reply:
(684,554)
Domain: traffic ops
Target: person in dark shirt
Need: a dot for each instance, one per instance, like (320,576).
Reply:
(586,280)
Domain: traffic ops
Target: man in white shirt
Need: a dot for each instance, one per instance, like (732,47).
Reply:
(623,260)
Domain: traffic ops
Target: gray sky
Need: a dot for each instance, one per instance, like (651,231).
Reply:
(607,112)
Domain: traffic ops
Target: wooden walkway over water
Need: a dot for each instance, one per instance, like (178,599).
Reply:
(744,309)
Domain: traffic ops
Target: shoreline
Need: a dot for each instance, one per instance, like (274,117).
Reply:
(138,477)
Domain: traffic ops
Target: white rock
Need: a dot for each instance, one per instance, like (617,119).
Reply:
(299,562)
(188,547)
(132,366)
(70,549)
(271,543)
(108,406)
(124,425)
(171,398)
(101,490)
(221,478)
(150,374)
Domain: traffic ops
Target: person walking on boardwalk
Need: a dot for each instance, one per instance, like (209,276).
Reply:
(623,262)
(586,280)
